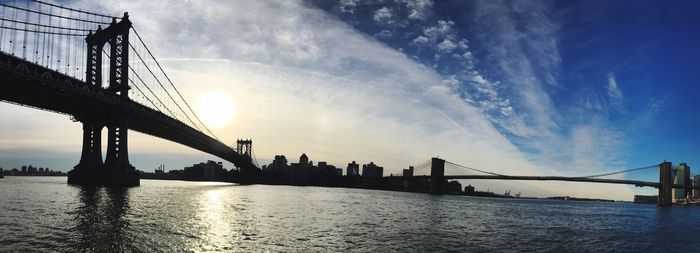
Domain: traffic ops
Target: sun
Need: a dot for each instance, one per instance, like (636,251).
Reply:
(215,109)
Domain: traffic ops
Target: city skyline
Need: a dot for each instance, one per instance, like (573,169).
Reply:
(343,89)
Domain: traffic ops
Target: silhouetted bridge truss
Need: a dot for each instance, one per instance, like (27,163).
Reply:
(438,178)
(56,59)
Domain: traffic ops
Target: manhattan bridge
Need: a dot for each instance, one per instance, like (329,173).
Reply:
(98,69)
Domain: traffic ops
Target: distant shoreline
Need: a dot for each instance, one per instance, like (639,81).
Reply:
(475,194)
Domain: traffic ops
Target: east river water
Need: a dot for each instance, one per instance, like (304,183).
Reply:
(45,214)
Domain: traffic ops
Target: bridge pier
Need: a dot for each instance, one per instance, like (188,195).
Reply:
(437,176)
(90,166)
(117,167)
(665,184)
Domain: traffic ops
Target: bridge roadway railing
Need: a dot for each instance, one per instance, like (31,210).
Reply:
(29,84)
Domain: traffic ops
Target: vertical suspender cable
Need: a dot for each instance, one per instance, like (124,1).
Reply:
(69,39)
(2,31)
(37,37)
(26,33)
(81,48)
(43,44)
(13,41)
(49,46)
(59,48)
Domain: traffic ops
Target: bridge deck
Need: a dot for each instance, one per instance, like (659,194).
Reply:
(559,178)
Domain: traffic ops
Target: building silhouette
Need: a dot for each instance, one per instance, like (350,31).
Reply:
(469,189)
(408,172)
(454,187)
(371,170)
(682,178)
(353,169)
(209,171)
(300,173)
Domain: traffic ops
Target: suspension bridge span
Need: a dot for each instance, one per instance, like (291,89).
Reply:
(89,66)
(666,184)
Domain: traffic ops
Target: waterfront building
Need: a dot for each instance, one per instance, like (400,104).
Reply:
(454,187)
(644,199)
(409,172)
(372,170)
(353,169)
(300,173)
(469,189)
(325,170)
(210,170)
(681,178)
(303,159)
(279,163)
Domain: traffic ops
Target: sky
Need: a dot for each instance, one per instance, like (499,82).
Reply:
(567,88)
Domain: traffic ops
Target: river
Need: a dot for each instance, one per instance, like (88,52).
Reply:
(46,214)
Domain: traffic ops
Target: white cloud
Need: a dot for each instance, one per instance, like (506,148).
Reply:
(421,40)
(419,9)
(479,79)
(348,5)
(613,91)
(384,34)
(441,30)
(383,15)
(446,46)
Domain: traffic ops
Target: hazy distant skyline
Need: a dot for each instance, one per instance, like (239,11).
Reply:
(521,87)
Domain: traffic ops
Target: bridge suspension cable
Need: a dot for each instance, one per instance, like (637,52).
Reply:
(622,171)
(473,169)
(151,91)
(75,10)
(173,85)
(53,15)
(164,89)
(43,32)
(46,26)
(47,34)
(422,166)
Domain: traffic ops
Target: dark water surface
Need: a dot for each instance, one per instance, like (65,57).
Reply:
(45,214)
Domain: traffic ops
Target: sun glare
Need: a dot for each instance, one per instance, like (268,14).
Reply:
(215,109)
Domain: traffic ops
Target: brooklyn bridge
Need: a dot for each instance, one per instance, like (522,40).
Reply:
(98,70)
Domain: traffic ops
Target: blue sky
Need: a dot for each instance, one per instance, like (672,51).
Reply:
(626,67)
(518,87)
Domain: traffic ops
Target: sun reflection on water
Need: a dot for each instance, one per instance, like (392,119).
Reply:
(212,213)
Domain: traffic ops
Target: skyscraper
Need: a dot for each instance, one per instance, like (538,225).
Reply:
(682,178)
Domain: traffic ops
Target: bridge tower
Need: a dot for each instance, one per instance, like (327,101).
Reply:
(245,148)
(116,169)
(665,184)
(437,176)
